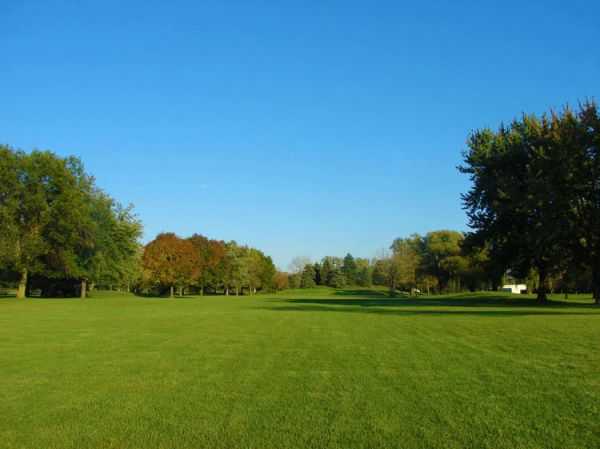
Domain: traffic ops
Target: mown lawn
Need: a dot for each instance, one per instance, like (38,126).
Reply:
(318,369)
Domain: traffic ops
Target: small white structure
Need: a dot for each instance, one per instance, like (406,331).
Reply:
(516,289)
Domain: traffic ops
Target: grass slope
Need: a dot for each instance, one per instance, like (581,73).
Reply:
(305,369)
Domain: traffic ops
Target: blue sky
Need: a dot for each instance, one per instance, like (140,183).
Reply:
(302,128)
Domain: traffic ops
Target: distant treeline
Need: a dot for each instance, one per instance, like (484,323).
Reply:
(442,261)
(436,262)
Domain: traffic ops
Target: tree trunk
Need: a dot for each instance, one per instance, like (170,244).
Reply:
(226,291)
(22,289)
(202,290)
(181,291)
(83,289)
(596,283)
(542,296)
(172,292)
(237,291)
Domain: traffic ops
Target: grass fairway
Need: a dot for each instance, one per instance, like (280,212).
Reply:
(316,369)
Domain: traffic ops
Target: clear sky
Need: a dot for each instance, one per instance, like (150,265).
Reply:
(302,128)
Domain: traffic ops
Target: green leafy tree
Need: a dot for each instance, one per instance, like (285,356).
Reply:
(326,271)
(381,272)
(112,258)
(579,140)
(307,279)
(338,279)
(438,246)
(405,262)
(349,269)
(363,272)
(518,203)
(47,227)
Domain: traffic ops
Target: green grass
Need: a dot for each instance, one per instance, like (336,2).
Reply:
(317,369)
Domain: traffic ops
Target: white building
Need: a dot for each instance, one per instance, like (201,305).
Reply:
(516,289)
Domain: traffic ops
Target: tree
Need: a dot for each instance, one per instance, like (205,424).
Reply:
(363,272)
(405,262)
(267,273)
(519,202)
(317,268)
(338,280)
(326,271)
(171,262)
(11,167)
(381,272)
(307,279)
(236,274)
(46,224)
(349,269)
(280,281)
(298,263)
(261,271)
(438,246)
(210,255)
(331,271)
(294,280)
(113,255)
(579,137)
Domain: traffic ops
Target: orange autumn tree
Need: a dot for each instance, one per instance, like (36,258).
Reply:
(210,256)
(170,261)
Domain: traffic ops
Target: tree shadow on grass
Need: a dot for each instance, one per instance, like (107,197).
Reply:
(379,302)
(362,293)
(430,312)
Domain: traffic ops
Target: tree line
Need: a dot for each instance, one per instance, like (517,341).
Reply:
(436,262)
(198,264)
(533,212)
(60,233)
(534,205)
